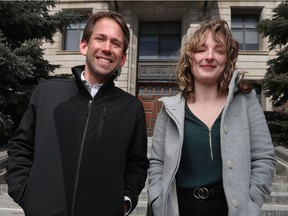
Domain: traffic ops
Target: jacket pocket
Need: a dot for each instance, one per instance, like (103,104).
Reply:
(24,194)
(253,209)
(102,120)
(157,207)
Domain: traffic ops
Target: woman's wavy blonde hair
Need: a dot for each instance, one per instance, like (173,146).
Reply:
(222,34)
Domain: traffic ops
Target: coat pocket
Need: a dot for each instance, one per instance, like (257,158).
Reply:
(253,209)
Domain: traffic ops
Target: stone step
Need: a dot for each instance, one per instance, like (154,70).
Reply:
(275,210)
(3,188)
(280,179)
(268,210)
(281,153)
(2,176)
(3,159)
(278,198)
(143,195)
(280,187)
(3,163)
(7,202)
(140,209)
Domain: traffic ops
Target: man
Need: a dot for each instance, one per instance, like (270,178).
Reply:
(81,147)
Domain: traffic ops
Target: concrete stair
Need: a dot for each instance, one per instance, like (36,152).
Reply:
(141,208)
(3,163)
(281,155)
(277,203)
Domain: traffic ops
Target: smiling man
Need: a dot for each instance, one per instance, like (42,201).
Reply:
(81,147)
(104,49)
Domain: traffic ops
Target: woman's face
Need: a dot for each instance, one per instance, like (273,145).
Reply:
(209,61)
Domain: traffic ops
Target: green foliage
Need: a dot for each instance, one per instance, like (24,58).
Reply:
(22,20)
(275,81)
(278,126)
(276,28)
(23,28)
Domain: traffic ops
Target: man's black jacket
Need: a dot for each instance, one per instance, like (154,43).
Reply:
(77,156)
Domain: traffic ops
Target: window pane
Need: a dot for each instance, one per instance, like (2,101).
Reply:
(251,36)
(149,28)
(241,46)
(238,35)
(170,28)
(245,32)
(72,40)
(73,26)
(251,46)
(250,22)
(159,40)
(82,24)
(148,46)
(251,39)
(169,45)
(237,22)
(74,34)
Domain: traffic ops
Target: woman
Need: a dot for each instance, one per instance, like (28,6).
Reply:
(212,152)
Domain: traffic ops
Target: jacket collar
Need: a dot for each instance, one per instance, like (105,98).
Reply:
(77,70)
(175,104)
(175,108)
(233,86)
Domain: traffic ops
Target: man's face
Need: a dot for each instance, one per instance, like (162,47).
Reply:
(104,51)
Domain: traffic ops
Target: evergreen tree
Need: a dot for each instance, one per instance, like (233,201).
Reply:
(275,81)
(23,28)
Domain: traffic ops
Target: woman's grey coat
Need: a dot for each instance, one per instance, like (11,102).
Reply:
(246,147)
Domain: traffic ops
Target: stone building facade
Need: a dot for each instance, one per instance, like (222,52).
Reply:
(158,28)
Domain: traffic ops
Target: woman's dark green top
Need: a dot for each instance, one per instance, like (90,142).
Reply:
(201,163)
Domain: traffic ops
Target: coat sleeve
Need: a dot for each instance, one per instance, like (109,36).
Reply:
(155,171)
(20,153)
(262,153)
(137,162)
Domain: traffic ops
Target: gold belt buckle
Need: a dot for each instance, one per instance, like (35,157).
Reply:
(201,193)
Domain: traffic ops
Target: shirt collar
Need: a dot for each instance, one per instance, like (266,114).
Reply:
(93,89)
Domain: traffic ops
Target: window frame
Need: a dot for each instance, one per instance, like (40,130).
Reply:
(81,22)
(159,36)
(244,14)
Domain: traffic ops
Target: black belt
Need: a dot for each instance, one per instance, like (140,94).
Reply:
(202,193)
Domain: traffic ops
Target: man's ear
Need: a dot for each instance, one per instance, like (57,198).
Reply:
(123,59)
(83,47)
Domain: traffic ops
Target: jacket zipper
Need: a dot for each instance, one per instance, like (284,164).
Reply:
(89,106)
